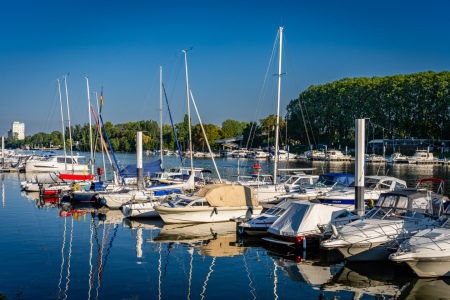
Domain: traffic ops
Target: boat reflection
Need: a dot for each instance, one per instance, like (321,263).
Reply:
(370,278)
(210,239)
(427,289)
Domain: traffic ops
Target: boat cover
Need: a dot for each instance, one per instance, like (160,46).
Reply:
(228,195)
(342,178)
(302,218)
(147,168)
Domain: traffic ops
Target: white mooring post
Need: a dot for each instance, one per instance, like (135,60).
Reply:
(359,166)
(3,151)
(139,171)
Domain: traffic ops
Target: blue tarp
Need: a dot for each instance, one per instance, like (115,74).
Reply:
(148,168)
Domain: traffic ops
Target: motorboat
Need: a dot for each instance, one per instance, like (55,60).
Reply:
(287,183)
(325,183)
(396,216)
(315,155)
(302,220)
(212,203)
(372,158)
(423,157)
(397,158)
(260,224)
(373,187)
(57,163)
(427,253)
(258,154)
(336,155)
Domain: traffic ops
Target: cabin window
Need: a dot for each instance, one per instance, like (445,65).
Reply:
(399,185)
(389,201)
(402,202)
(385,185)
(420,204)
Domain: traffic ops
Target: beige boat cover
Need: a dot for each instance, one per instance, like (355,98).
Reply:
(228,195)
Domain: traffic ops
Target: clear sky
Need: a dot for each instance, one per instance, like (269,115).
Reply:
(120,45)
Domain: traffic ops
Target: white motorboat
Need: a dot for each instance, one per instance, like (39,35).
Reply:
(325,183)
(213,203)
(315,155)
(336,155)
(303,219)
(258,154)
(397,158)
(427,253)
(372,158)
(57,163)
(373,187)
(288,183)
(260,224)
(396,216)
(423,157)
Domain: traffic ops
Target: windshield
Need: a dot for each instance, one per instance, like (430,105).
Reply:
(369,183)
(276,211)
(443,222)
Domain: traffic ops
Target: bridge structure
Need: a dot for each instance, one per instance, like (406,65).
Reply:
(232,142)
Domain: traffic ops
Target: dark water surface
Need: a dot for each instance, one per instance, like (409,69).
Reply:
(75,252)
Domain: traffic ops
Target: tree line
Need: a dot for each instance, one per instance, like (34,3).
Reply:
(404,106)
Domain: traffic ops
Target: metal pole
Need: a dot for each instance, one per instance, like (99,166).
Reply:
(63,129)
(68,118)
(189,114)
(359,166)
(90,127)
(278,108)
(160,117)
(139,170)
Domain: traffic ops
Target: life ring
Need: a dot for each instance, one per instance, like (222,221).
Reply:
(77,216)
(370,203)
(77,187)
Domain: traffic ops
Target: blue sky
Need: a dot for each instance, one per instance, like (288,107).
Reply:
(121,44)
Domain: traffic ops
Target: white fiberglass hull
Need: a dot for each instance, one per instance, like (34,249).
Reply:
(141,210)
(51,166)
(205,214)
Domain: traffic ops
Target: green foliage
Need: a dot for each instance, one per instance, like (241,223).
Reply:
(413,105)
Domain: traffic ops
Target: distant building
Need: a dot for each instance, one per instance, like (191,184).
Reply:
(18,128)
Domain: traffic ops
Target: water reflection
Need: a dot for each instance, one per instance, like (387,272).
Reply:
(424,289)
(370,278)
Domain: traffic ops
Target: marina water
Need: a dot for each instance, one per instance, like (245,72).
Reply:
(51,251)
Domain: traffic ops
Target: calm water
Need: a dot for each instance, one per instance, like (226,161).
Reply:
(73,252)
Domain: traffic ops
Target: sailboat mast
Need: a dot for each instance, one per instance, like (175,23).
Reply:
(68,118)
(278,109)
(90,126)
(62,124)
(189,114)
(160,117)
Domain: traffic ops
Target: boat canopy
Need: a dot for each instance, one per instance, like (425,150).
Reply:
(147,168)
(342,178)
(228,195)
(302,218)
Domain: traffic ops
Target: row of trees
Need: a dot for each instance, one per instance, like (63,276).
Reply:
(413,105)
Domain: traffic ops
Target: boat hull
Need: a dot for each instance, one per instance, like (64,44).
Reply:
(436,267)
(365,252)
(205,214)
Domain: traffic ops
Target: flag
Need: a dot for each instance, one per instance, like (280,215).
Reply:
(101,99)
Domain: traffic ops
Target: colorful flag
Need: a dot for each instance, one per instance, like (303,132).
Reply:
(101,99)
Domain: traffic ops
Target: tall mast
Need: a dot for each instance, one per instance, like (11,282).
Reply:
(278,109)
(189,114)
(62,124)
(160,116)
(90,126)
(68,118)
